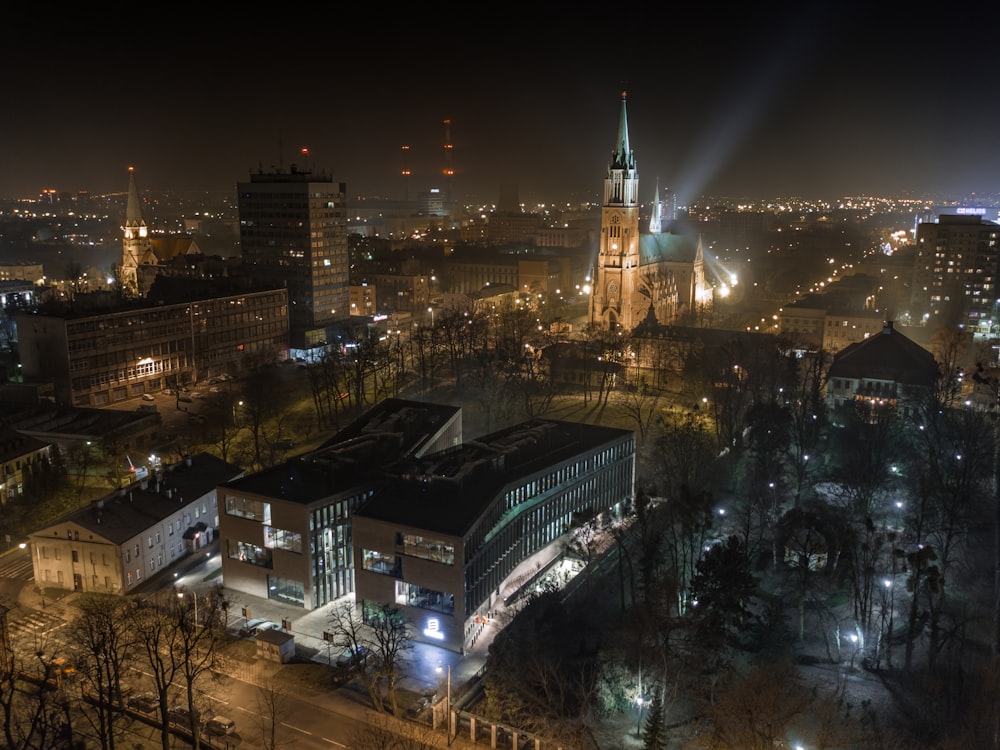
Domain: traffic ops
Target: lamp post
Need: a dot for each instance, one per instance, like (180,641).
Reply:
(431,311)
(892,605)
(180,595)
(641,701)
(448,705)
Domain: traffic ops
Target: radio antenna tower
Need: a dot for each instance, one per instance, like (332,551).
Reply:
(406,174)
(448,170)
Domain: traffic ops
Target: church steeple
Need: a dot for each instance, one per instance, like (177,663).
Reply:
(656,219)
(622,157)
(621,184)
(134,238)
(616,284)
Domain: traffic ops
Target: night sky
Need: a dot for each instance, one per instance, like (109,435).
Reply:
(813,100)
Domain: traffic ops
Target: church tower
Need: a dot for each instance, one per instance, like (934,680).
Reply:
(656,219)
(614,303)
(135,240)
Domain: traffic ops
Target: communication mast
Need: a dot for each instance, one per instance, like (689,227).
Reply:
(406,174)
(448,170)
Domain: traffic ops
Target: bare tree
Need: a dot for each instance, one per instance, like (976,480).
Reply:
(756,711)
(30,713)
(384,732)
(105,647)
(157,627)
(639,402)
(273,703)
(196,642)
(391,640)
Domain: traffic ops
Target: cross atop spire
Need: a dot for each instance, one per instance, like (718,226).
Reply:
(622,157)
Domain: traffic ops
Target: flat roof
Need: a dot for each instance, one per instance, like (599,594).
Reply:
(447,491)
(357,456)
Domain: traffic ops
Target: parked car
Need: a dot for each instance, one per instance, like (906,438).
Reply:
(250,627)
(351,657)
(145,702)
(220,725)
(418,707)
(185,398)
(196,418)
(266,625)
(148,397)
(62,666)
(180,716)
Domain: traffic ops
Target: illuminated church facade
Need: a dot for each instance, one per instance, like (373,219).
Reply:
(638,274)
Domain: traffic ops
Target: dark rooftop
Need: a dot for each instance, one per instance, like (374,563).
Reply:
(447,491)
(357,455)
(886,356)
(124,513)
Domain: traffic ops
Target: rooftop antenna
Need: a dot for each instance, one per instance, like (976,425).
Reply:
(448,170)
(406,174)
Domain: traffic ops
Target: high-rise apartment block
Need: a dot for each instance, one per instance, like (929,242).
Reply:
(955,271)
(293,229)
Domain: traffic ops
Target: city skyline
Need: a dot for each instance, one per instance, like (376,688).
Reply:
(814,100)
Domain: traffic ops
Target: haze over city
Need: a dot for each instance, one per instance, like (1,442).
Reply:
(815,99)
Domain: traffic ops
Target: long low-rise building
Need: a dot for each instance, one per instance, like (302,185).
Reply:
(97,358)
(134,534)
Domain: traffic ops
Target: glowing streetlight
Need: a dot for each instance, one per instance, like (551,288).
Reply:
(180,595)
(641,700)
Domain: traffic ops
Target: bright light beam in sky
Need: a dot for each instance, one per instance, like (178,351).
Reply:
(742,111)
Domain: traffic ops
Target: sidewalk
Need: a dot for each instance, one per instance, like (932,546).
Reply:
(427,668)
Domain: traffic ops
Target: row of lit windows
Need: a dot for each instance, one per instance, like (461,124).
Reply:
(424,548)
(520,538)
(291,541)
(249,553)
(243,507)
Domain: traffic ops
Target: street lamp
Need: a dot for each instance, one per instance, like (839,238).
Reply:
(431,311)
(448,705)
(180,595)
(641,700)
(853,638)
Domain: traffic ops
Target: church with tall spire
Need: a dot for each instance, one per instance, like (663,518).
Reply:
(144,255)
(135,239)
(659,274)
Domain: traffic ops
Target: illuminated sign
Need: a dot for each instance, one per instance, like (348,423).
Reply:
(433,629)
(971,211)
